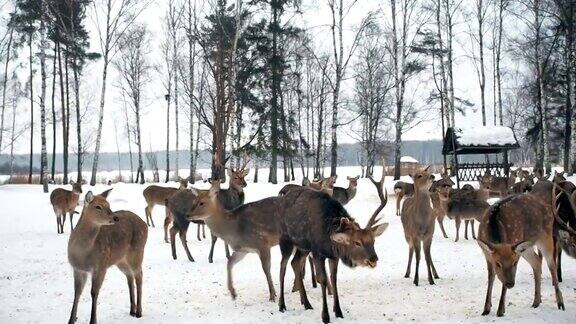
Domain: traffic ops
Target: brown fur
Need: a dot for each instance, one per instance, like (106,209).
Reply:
(402,189)
(157,195)
(101,239)
(418,222)
(344,195)
(438,208)
(463,204)
(64,202)
(510,230)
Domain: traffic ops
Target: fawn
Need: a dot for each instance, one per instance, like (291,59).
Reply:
(101,239)
(344,195)
(511,229)
(311,221)
(65,201)
(157,195)
(418,222)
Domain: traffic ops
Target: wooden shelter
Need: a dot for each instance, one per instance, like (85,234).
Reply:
(479,140)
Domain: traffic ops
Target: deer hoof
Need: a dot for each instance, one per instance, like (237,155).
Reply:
(282,308)
(485,312)
(338,313)
(561,306)
(307,305)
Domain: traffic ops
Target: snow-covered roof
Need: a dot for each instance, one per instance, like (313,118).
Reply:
(479,140)
(485,135)
(408,159)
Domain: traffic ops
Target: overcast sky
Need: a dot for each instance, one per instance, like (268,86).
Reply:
(316,18)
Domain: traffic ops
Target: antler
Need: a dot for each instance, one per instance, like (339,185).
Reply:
(246,161)
(382,195)
(556,209)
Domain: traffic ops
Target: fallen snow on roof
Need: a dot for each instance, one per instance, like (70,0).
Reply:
(485,135)
(408,159)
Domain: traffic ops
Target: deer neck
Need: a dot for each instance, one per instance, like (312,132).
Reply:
(351,191)
(219,215)
(84,234)
(236,187)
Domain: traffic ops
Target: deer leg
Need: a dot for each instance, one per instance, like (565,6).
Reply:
(458,222)
(97,280)
(417,252)
(71,221)
(211,255)
(138,279)
(398,201)
(198,232)
(429,263)
(300,258)
(488,303)
(299,269)
(265,260)
(548,251)
(58,223)
(204,231)
(410,254)
(63,221)
(440,221)
(312,272)
(182,234)
(130,280)
(473,230)
(79,283)
(173,231)
(558,252)
(321,275)
(234,258)
(167,222)
(502,303)
(227,250)
(286,249)
(536,263)
(466,223)
(333,264)
(148,211)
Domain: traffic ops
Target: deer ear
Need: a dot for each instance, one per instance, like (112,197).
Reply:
(379,229)
(485,246)
(341,238)
(88,198)
(106,193)
(522,247)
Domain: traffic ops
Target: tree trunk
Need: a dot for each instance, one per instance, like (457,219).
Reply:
(276,79)
(100,121)
(5,84)
(43,154)
(64,118)
(53,169)
(12,138)
(482,69)
(80,157)
(31,162)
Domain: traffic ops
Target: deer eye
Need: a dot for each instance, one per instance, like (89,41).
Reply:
(99,207)
(357,243)
(201,203)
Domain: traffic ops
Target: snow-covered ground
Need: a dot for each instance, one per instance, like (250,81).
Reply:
(36,279)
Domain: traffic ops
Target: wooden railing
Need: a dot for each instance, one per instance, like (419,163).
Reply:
(471,171)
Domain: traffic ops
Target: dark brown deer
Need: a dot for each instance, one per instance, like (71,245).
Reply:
(101,239)
(511,229)
(344,195)
(64,202)
(418,222)
(313,222)
(250,228)
(157,195)
(524,185)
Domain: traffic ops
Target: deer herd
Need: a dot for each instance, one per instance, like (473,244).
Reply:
(533,219)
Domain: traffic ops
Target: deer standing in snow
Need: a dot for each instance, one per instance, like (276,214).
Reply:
(64,202)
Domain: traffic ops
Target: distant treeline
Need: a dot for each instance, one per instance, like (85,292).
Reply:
(427,152)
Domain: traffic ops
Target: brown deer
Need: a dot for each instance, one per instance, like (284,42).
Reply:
(558,177)
(438,208)
(250,228)
(402,189)
(64,202)
(324,185)
(501,185)
(344,195)
(101,239)
(418,222)
(511,229)
(523,174)
(461,204)
(313,222)
(157,195)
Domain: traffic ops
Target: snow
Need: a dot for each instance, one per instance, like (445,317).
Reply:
(36,283)
(485,135)
(408,159)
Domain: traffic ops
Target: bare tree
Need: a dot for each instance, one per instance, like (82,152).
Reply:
(477,38)
(43,47)
(5,80)
(112,19)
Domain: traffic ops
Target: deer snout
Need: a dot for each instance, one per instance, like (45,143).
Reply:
(116,219)
(372,262)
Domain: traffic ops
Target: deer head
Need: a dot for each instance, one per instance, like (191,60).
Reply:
(183,183)
(353,181)
(558,177)
(422,179)
(504,259)
(97,209)
(206,202)
(329,182)
(237,176)
(485,181)
(76,187)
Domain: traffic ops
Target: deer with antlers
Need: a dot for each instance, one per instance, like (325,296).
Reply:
(64,202)
(418,222)
(511,229)
(103,238)
(313,222)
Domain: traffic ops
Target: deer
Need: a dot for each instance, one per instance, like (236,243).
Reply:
(523,174)
(558,177)
(402,189)
(501,185)
(157,195)
(344,195)
(103,238)
(313,222)
(324,185)
(249,228)
(524,185)
(437,207)
(418,223)
(463,205)
(64,202)
(510,229)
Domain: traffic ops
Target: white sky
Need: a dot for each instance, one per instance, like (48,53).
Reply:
(316,18)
